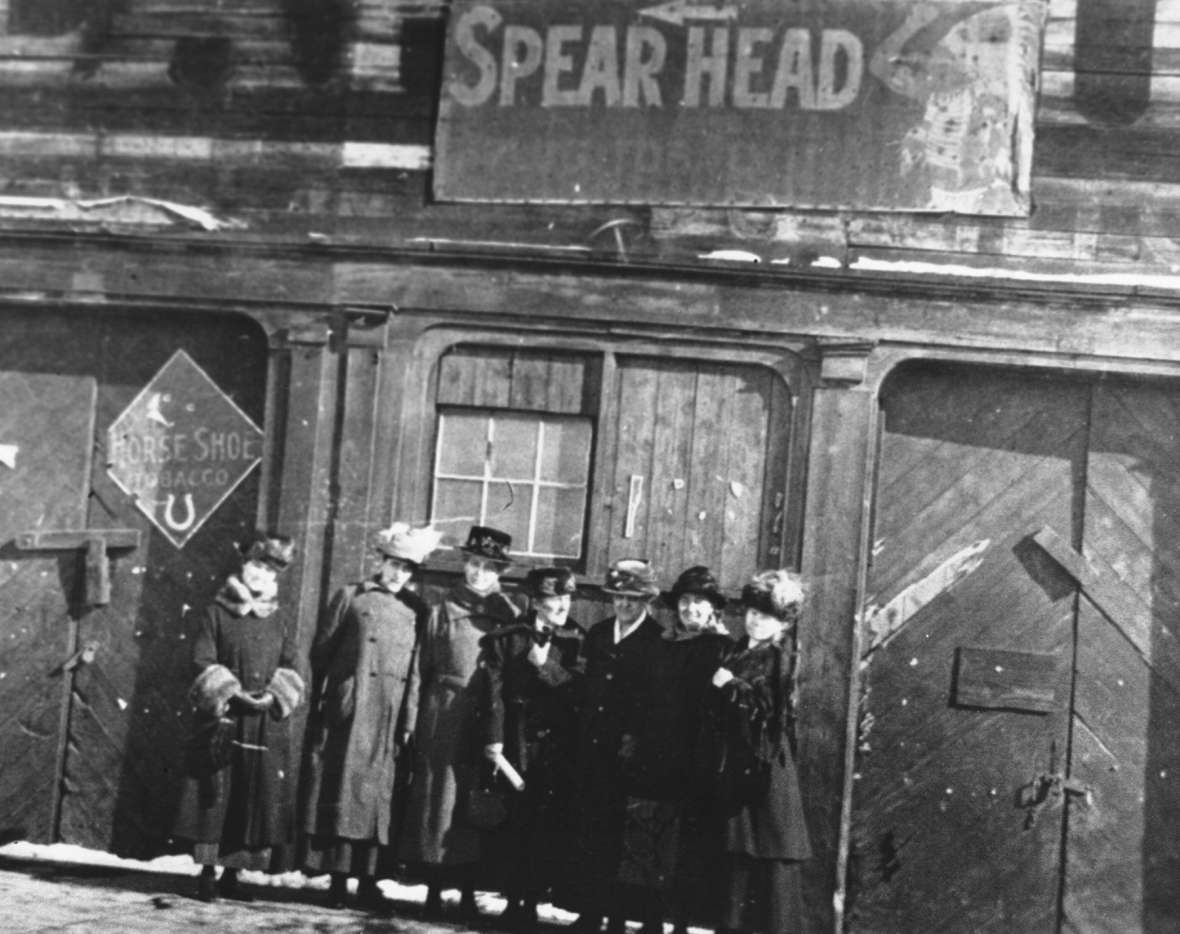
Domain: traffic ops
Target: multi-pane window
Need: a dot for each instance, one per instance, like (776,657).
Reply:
(523,472)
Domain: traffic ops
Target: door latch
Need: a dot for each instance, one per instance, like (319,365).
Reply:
(1047,788)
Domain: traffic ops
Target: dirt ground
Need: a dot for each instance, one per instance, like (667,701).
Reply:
(63,889)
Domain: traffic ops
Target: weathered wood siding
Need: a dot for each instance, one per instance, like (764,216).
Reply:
(296,120)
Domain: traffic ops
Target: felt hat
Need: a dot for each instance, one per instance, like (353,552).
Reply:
(697,580)
(269,548)
(550,582)
(631,577)
(486,542)
(405,543)
(775,593)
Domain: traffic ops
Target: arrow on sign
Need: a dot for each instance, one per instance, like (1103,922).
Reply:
(677,12)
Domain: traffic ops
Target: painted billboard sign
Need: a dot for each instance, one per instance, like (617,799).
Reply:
(181,447)
(870,104)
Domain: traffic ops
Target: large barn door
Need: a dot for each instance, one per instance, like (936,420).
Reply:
(46,422)
(1123,852)
(93,706)
(969,641)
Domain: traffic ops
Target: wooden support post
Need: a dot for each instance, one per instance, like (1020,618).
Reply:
(843,427)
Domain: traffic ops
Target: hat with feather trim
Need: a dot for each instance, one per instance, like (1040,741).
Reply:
(775,593)
(631,577)
(405,543)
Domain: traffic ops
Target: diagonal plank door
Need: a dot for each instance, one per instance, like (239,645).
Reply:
(970,462)
(46,422)
(1123,852)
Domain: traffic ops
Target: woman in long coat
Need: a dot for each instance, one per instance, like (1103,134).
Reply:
(766,834)
(237,802)
(364,669)
(449,738)
(677,744)
(532,717)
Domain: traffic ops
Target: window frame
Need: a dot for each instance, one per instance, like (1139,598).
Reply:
(535,483)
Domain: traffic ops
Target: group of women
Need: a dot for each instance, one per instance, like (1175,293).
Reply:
(631,771)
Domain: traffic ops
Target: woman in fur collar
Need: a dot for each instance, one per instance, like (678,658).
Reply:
(766,835)
(238,801)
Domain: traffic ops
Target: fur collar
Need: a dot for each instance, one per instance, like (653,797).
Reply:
(236,597)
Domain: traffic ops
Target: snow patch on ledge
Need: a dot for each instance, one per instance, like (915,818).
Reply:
(911,267)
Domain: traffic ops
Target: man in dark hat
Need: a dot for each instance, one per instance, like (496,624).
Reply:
(532,719)
(620,652)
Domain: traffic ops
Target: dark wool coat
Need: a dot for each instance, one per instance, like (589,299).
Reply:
(364,668)
(675,754)
(614,689)
(449,737)
(533,711)
(773,826)
(249,804)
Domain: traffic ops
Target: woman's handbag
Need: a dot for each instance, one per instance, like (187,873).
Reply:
(487,802)
(210,746)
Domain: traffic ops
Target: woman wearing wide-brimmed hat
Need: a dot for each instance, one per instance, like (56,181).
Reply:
(238,801)
(363,662)
(438,839)
(766,833)
(677,745)
(534,676)
(620,653)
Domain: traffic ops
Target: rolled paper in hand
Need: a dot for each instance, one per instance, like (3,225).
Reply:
(503,765)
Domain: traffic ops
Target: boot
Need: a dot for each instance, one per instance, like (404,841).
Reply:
(433,907)
(468,910)
(230,887)
(369,897)
(207,885)
(337,891)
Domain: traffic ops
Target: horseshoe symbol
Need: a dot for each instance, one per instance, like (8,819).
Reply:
(190,511)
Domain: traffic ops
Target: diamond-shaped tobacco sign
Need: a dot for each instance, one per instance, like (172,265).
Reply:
(181,447)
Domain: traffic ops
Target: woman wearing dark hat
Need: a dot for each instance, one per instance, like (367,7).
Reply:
(677,743)
(449,738)
(532,719)
(237,801)
(620,654)
(363,662)
(766,836)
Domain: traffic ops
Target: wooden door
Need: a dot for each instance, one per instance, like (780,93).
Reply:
(46,421)
(998,803)
(1123,844)
(970,463)
(700,468)
(92,752)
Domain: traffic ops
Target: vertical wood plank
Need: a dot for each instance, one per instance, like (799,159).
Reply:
(748,437)
(566,385)
(710,463)
(530,381)
(672,433)
(637,392)
(842,423)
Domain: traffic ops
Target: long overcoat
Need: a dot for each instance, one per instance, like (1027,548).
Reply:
(249,804)
(364,668)
(772,826)
(449,737)
(613,692)
(533,710)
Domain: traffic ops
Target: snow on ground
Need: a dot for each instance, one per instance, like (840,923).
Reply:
(489,903)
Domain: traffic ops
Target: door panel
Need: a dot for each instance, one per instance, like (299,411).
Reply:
(48,418)
(700,461)
(1123,847)
(971,464)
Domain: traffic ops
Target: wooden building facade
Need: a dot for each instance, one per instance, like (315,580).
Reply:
(963,430)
